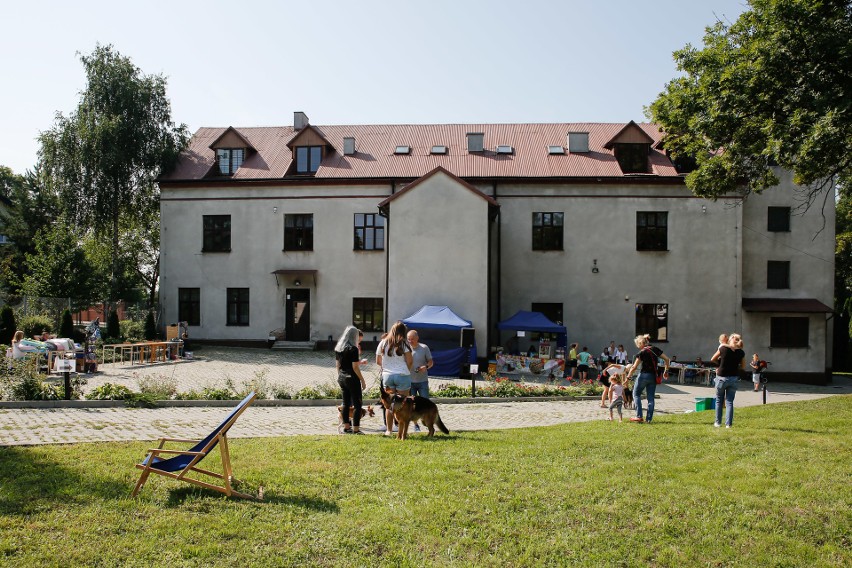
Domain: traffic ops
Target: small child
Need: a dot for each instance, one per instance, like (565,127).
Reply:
(616,396)
(756,366)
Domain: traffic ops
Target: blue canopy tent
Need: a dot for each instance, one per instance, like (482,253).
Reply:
(447,360)
(535,321)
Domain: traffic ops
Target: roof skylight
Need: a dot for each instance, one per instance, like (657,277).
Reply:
(402,149)
(505,149)
(439,149)
(555,150)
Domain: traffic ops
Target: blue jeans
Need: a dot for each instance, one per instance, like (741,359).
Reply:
(420,389)
(645,381)
(726,389)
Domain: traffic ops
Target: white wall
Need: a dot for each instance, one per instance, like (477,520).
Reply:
(809,247)
(439,252)
(697,277)
(257,240)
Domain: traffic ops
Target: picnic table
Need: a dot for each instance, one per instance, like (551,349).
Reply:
(141,352)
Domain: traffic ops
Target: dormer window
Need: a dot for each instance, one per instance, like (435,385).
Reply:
(308,159)
(631,148)
(632,158)
(229,160)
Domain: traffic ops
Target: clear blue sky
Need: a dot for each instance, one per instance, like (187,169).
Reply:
(344,62)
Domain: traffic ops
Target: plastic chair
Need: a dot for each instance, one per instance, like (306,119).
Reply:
(183,462)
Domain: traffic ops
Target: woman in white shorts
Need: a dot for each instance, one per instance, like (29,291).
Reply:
(394,357)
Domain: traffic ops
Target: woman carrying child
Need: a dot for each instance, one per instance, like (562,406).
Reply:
(731,358)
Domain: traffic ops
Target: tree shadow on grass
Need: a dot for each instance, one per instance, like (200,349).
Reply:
(31,479)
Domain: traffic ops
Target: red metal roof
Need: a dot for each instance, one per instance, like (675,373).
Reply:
(375,158)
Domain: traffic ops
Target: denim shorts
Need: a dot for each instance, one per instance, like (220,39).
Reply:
(397,382)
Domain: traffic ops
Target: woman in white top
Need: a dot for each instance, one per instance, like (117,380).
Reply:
(621,355)
(394,357)
(19,351)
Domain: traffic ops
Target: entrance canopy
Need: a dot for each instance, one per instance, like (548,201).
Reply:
(535,321)
(436,317)
(531,321)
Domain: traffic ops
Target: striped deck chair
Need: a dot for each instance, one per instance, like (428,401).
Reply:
(182,462)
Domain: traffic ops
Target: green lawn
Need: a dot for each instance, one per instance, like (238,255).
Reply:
(773,491)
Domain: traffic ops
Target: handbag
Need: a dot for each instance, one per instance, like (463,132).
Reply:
(658,374)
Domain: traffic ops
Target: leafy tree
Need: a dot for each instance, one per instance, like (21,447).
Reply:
(774,87)
(7,325)
(33,208)
(105,157)
(58,268)
(124,283)
(843,282)
(9,181)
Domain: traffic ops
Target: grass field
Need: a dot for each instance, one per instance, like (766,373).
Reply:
(772,491)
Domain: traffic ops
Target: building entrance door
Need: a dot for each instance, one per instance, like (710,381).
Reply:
(298,307)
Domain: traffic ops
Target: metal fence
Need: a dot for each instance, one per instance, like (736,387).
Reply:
(52,308)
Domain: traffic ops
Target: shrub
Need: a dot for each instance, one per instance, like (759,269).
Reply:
(33,387)
(503,388)
(110,391)
(8,327)
(132,331)
(150,327)
(23,382)
(330,390)
(210,393)
(282,392)
(308,393)
(66,325)
(158,387)
(35,324)
(189,395)
(259,384)
(112,329)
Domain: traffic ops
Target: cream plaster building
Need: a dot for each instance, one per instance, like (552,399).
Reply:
(311,228)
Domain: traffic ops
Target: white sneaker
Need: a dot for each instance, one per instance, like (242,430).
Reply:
(716,425)
(727,426)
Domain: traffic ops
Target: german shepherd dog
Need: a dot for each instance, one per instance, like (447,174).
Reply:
(368,411)
(412,408)
(628,394)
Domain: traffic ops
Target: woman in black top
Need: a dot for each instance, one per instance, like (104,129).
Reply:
(349,378)
(731,359)
(647,381)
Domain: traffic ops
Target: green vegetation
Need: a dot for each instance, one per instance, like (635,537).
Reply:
(773,491)
(771,88)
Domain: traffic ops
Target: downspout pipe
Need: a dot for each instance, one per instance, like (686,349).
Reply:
(386,215)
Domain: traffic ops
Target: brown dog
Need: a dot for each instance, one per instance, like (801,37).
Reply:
(368,411)
(411,409)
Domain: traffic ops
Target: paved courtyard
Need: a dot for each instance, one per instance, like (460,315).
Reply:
(214,367)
